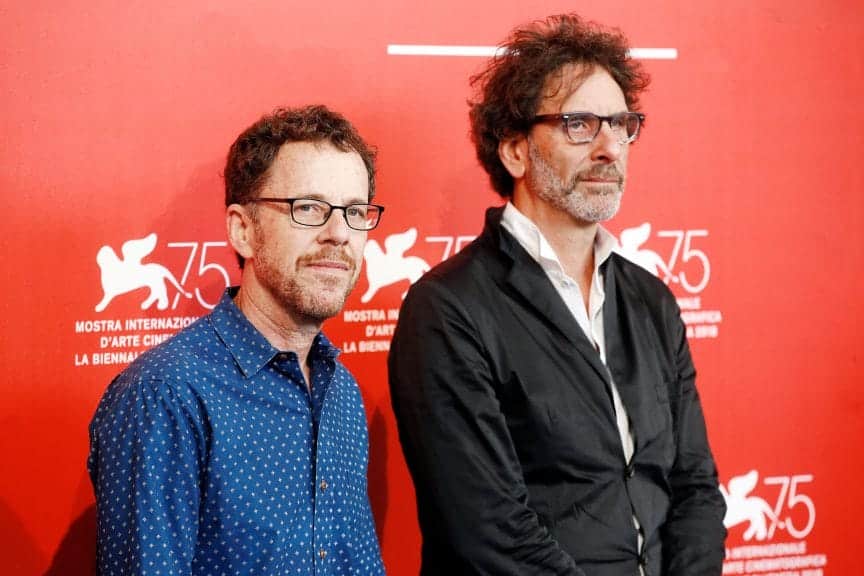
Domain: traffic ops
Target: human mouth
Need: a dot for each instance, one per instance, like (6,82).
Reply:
(601,178)
(335,265)
(329,263)
(601,183)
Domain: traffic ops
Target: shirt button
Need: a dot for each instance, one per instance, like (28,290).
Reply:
(323,485)
(322,554)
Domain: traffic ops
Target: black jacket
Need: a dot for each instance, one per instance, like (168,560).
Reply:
(508,427)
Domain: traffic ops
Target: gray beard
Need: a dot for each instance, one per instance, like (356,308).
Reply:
(568,197)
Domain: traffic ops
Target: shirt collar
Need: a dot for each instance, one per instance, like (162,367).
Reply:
(250,349)
(532,240)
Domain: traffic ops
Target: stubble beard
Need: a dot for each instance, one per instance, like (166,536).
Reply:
(301,292)
(587,206)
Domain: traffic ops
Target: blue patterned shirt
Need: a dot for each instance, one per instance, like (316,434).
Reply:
(208,455)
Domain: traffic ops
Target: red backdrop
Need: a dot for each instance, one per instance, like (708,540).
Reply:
(745,194)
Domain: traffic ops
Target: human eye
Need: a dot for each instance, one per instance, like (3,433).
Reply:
(357,210)
(310,207)
(580,122)
(582,127)
(625,124)
(618,120)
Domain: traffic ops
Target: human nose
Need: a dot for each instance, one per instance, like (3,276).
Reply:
(607,146)
(336,229)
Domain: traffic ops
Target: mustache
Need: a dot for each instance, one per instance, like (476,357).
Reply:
(604,173)
(331,254)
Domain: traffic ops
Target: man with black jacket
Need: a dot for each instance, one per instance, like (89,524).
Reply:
(542,384)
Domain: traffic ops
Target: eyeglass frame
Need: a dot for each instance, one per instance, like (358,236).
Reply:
(290,202)
(565,118)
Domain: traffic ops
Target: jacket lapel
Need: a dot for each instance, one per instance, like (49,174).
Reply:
(528,279)
(631,353)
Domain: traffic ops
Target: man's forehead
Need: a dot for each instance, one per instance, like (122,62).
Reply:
(319,167)
(305,150)
(313,157)
(563,83)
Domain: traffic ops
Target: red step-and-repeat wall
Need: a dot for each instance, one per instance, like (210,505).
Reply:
(745,196)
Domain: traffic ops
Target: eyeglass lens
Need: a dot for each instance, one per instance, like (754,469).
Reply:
(316,212)
(585,127)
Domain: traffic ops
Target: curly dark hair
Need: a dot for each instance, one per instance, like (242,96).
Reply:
(510,89)
(252,153)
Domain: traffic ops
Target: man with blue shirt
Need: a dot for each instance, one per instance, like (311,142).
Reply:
(543,386)
(240,445)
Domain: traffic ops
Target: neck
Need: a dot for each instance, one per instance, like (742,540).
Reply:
(282,329)
(571,238)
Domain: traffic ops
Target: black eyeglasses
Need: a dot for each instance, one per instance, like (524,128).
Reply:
(583,127)
(311,212)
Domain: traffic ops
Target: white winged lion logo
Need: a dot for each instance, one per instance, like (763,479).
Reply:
(389,266)
(741,507)
(631,248)
(120,276)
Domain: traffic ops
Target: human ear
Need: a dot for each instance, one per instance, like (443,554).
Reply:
(240,229)
(513,153)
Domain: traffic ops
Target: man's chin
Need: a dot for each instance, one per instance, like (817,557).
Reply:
(595,212)
(326,302)
(320,310)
